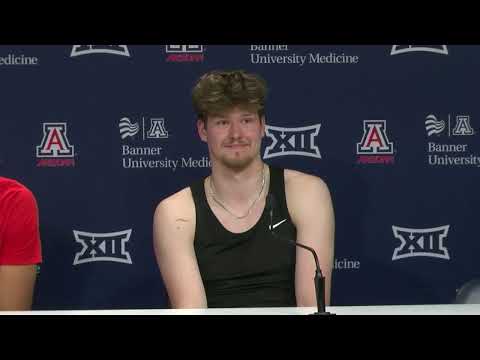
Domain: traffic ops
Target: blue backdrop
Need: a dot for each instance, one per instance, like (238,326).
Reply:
(101,134)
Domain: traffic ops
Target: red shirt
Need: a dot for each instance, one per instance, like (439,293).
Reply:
(19,230)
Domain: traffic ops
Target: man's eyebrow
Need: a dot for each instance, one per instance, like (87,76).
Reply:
(182,220)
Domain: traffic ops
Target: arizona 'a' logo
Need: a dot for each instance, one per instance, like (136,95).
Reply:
(402,49)
(421,242)
(184,53)
(79,50)
(375,148)
(184,48)
(157,129)
(374,140)
(462,126)
(54,142)
(102,247)
(298,141)
(55,149)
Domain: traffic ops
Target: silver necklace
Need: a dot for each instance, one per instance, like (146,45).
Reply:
(212,193)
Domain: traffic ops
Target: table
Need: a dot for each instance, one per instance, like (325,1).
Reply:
(442,309)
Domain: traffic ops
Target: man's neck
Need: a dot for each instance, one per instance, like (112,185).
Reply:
(238,186)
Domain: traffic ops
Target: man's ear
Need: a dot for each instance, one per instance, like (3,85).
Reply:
(262,122)
(201,128)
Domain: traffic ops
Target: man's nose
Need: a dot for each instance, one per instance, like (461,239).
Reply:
(235,130)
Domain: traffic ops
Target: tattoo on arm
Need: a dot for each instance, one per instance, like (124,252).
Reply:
(180,220)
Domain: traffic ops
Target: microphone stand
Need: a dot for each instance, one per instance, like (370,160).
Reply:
(319,279)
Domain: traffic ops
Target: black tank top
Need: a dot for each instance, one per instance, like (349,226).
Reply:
(249,269)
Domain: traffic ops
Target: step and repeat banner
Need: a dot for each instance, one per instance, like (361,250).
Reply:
(101,134)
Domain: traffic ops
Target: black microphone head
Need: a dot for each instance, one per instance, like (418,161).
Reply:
(270,202)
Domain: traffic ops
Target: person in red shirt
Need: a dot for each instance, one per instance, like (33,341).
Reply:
(20,247)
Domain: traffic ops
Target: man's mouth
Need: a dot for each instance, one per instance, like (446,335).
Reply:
(236,146)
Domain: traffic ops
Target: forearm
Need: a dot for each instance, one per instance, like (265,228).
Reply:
(16,287)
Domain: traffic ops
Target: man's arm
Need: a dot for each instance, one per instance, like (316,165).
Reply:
(16,287)
(310,207)
(173,234)
(21,251)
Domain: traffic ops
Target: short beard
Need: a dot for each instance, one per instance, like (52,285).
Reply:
(237,164)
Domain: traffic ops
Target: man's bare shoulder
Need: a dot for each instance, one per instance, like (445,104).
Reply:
(297,181)
(174,220)
(179,204)
(307,195)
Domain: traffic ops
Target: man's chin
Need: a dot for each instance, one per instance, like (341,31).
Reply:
(237,164)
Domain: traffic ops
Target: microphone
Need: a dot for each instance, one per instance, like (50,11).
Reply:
(319,279)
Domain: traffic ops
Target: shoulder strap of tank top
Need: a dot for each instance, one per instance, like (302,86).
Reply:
(198,193)
(277,187)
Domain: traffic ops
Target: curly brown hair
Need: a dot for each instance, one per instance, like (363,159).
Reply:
(218,91)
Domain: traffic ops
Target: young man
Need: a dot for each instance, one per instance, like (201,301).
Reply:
(20,248)
(212,239)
